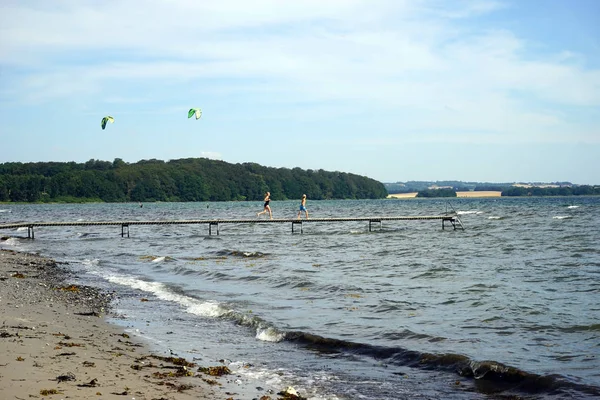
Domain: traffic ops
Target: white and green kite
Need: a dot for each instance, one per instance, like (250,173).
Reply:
(195,111)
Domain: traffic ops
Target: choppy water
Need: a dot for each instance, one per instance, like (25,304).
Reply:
(511,305)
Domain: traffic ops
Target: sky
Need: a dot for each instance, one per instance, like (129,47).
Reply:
(396,90)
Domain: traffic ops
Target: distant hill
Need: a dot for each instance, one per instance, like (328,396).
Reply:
(191,179)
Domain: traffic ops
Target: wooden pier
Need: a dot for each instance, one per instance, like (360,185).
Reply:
(214,223)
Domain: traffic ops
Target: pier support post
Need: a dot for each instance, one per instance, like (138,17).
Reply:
(30,234)
(375,220)
(210,224)
(452,221)
(123,226)
(297,222)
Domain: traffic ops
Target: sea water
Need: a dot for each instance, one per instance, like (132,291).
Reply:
(508,306)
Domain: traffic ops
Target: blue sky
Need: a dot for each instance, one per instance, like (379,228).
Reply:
(472,90)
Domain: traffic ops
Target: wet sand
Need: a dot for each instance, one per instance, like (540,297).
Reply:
(55,343)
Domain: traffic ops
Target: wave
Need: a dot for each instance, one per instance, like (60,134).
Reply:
(433,273)
(91,263)
(163,292)
(156,259)
(565,329)
(494,217)
(573,207)
(408,334)
(497,376)
(269,334)
(562,217)
(124,254)
(242,254)
(181,270)
(5,211)
(9,241)
(91,236)
(205,308)
(582,328)
(479,288)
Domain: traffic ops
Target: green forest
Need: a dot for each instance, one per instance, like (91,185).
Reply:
(580,190)
(437,193)
(191,179)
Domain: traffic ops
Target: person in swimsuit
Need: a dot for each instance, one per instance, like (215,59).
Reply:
(303,207)
(266,207)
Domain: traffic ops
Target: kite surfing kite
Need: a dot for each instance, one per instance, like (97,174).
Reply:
(106,119)
(195,111)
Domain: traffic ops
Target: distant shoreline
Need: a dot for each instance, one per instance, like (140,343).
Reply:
(470,194)
(412,195)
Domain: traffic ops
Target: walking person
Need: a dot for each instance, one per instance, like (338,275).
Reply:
(303,207)
(266,207)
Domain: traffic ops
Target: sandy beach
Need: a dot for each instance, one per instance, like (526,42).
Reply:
(56,344)
(402,195)
(469,194)
(488,193)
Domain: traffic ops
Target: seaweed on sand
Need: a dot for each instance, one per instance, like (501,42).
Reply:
(215,371)
(176,361)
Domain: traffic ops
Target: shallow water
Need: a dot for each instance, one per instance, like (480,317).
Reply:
(408,311)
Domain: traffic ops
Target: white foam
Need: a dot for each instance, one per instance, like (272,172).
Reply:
(91,263)
(10,242)
(269,335)
(158,259)
(6,211)
(253,375)
(21,229)
(160,290)
(469,212)
(573,207)
(562,217)
(283,378)
(207,309)
(494,217)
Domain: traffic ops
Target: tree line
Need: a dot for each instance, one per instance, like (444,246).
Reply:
(436,193)
(191,179)
(579,190)
(459,186)
(517,191)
